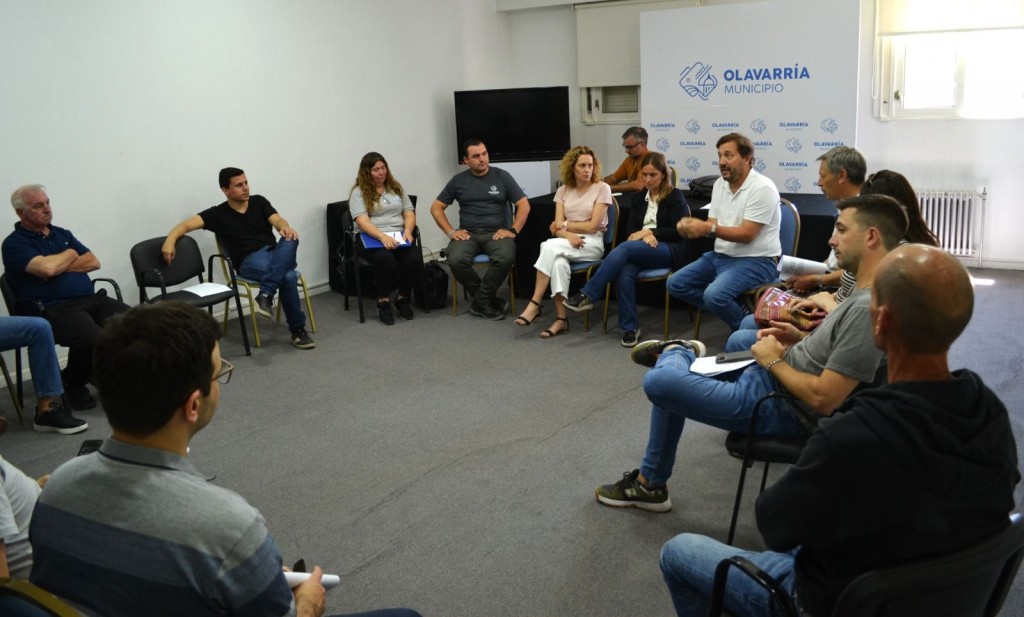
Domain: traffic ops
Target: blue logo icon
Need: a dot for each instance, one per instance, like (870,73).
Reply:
(758,126)
(829,125)
(697,80)
(693,126)
(662,144)
(793,145)
(793,185)
(759,165)
(693,164)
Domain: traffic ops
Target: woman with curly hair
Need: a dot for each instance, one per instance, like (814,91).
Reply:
(581,217)
(386,217)
(653,242)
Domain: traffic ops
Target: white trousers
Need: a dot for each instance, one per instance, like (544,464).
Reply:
(557,253)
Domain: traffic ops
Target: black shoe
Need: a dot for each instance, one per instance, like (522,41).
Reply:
(301,339)
(58,420)
(384,313)
(630,338)
(79,398)
(404,308)
(578,303)
(264,306)
(500,304)
(487,312)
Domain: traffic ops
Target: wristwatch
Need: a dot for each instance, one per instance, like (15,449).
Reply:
(714,230)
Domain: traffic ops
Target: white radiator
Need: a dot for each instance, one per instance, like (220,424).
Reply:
(956,218)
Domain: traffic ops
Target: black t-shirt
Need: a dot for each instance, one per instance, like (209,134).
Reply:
(242,233)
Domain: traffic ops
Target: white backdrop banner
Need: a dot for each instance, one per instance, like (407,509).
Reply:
(782,73)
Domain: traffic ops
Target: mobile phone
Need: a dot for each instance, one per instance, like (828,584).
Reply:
(733,356)
(90,445)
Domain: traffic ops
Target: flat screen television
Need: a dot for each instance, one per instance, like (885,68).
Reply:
(516,124)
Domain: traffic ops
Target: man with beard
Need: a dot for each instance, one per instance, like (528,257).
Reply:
(743,219)
(820,369)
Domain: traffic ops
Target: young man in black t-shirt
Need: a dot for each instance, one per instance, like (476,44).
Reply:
(245,225)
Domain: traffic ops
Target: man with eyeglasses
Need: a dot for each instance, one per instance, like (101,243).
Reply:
(627,177)
(134,528)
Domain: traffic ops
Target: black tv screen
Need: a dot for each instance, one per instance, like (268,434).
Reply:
(516,124)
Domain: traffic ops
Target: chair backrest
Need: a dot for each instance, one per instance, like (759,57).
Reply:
(152,271)
(8,293)
(789,228)
(611,234)
(970,582)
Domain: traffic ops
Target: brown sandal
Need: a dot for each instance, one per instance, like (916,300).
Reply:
(549,333)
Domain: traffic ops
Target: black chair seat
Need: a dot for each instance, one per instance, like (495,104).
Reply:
(767,448)
(188,297)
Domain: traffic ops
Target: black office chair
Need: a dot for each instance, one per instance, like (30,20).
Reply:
(751,448)
(350,262)
(151,271)
(27,307)
(20,598)
(969,582)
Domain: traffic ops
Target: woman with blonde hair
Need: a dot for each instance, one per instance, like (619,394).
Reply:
(652,242)
(581,218)
(386,217)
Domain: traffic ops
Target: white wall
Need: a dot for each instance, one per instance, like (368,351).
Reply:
(126,110)
(933,154)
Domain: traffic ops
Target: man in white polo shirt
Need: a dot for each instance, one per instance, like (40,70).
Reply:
(743,219)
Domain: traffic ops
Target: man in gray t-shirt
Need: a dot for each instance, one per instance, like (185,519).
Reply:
(484,194)
(820,369)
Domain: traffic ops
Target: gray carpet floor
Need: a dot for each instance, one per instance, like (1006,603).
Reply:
(448,464)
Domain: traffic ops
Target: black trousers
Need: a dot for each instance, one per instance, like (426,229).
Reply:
(76,324)
(406,263)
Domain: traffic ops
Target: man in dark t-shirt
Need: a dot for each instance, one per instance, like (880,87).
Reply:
(484,194)
(245,225)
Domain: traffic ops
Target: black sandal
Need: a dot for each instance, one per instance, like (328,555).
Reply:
(549,333)
(522,322)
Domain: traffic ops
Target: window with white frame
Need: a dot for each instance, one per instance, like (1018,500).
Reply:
(948,72)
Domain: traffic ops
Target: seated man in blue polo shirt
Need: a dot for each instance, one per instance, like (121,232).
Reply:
(47,263)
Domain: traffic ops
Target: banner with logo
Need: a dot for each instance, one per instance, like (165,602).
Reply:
(782,73)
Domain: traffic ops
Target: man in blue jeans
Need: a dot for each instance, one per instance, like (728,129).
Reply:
(819,369)
(743,219)
(36,334)
(245,225)
(923,465)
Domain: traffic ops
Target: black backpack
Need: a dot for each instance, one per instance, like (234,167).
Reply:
(435,287)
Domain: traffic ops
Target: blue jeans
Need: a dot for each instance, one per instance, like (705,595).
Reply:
(715,283)
(622,266)
(36,334)
(688,563)
(678,394)
(274,268)
(744,337)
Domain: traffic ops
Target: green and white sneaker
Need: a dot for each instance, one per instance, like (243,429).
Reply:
(629,493)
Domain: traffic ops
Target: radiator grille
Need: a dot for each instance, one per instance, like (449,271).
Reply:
(955,217)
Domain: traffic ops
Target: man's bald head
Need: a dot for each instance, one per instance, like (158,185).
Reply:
(928,294)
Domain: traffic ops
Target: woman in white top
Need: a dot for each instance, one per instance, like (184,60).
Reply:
(381,209)
(581,217)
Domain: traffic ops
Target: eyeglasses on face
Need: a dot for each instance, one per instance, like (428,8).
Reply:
(226,368)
